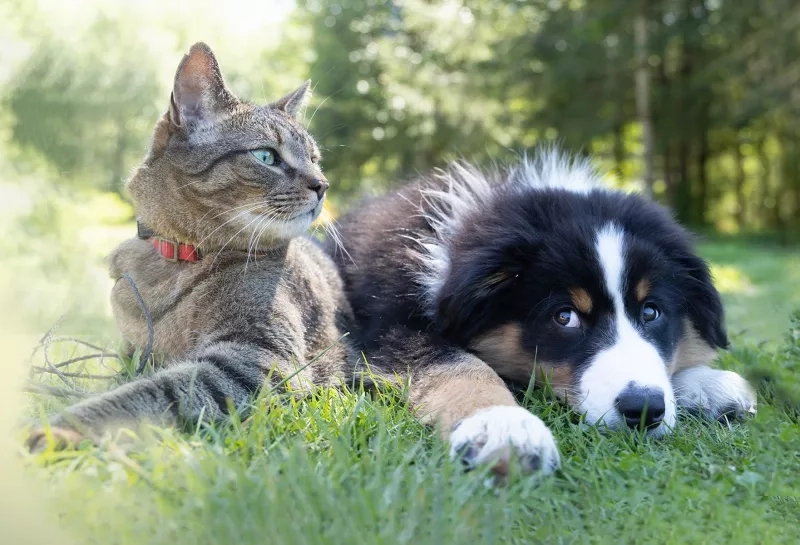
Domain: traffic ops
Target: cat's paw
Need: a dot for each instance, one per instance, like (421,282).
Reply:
(497,435)
(714,394)
(61,438)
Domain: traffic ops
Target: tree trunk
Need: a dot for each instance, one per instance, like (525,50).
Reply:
(702,165)
(740,178)
(643,94)
(683,185)
(783,182)
(617,88)
(792,227)
(764,195)
(668,172)
(118,159)
(619,144)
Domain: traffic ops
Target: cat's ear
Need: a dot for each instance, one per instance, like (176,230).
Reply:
(294,101)
(199,93)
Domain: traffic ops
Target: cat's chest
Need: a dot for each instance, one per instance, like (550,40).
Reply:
(182,301)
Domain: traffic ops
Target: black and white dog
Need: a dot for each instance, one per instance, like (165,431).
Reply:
(464,282)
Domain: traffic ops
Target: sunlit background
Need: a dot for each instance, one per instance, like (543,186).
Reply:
(400,87)
(694,101)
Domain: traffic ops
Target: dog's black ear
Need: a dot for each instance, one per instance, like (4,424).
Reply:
(473,290)
(703,301)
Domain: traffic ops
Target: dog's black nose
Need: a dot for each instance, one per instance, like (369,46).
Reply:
(320,186)
(641,406)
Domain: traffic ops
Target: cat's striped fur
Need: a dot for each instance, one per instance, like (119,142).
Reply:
(263,301)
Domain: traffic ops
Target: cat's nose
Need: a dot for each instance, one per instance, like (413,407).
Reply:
(319,186)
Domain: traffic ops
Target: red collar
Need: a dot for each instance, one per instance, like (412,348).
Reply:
(171,250)
(175,251)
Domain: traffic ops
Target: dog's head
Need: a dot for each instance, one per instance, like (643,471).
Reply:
(598,291)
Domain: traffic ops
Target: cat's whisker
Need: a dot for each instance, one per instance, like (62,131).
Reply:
(255,237)
(331,231)
(324,100)
(252,240)
(251,222)
(237,216)
(336,237)
(253,204)
(250,206)
(194,182)
(335,127)
(328,148)
(209,235)
(247,209)
(313,90)
(264,226)
(257,218)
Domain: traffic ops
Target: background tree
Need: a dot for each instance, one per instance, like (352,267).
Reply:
(695,100)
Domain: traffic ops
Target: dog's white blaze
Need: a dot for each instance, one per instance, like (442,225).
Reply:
(630,359)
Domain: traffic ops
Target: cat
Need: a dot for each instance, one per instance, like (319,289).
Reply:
(237,297)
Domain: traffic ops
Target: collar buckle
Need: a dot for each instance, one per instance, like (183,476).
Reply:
(163,245)
(143,231)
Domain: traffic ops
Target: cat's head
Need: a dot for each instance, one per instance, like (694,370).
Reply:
(226,172)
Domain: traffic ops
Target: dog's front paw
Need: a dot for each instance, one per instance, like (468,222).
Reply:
(714,394)
(39,438)
(499,434)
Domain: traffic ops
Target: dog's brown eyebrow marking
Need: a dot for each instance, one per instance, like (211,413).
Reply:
(642,289)
(582,300)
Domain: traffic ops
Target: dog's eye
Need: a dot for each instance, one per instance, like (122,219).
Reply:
(566,317)
(267,156)
(650,313)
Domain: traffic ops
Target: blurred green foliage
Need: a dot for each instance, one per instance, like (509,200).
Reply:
(400,86)
(776,373)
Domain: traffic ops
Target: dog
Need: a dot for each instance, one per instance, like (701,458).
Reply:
(465,282)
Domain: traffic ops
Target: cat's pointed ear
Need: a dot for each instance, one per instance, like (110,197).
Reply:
(294,101)
(199,92)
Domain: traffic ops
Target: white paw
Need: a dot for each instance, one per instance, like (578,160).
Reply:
(714,393)
(493,435)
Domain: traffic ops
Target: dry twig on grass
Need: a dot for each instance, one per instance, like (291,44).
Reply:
(64,370)
(34,387)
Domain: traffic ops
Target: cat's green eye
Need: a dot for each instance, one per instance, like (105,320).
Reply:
(266,156)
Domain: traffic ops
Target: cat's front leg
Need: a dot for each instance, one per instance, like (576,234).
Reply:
(58,433)
(219,376)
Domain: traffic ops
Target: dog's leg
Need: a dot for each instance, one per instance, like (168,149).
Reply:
(470,405)
(713,393)
(480,418)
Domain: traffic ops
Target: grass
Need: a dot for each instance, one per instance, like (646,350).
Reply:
(352,468)
(760,284)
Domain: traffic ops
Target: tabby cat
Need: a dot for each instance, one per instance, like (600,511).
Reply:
(236,296)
